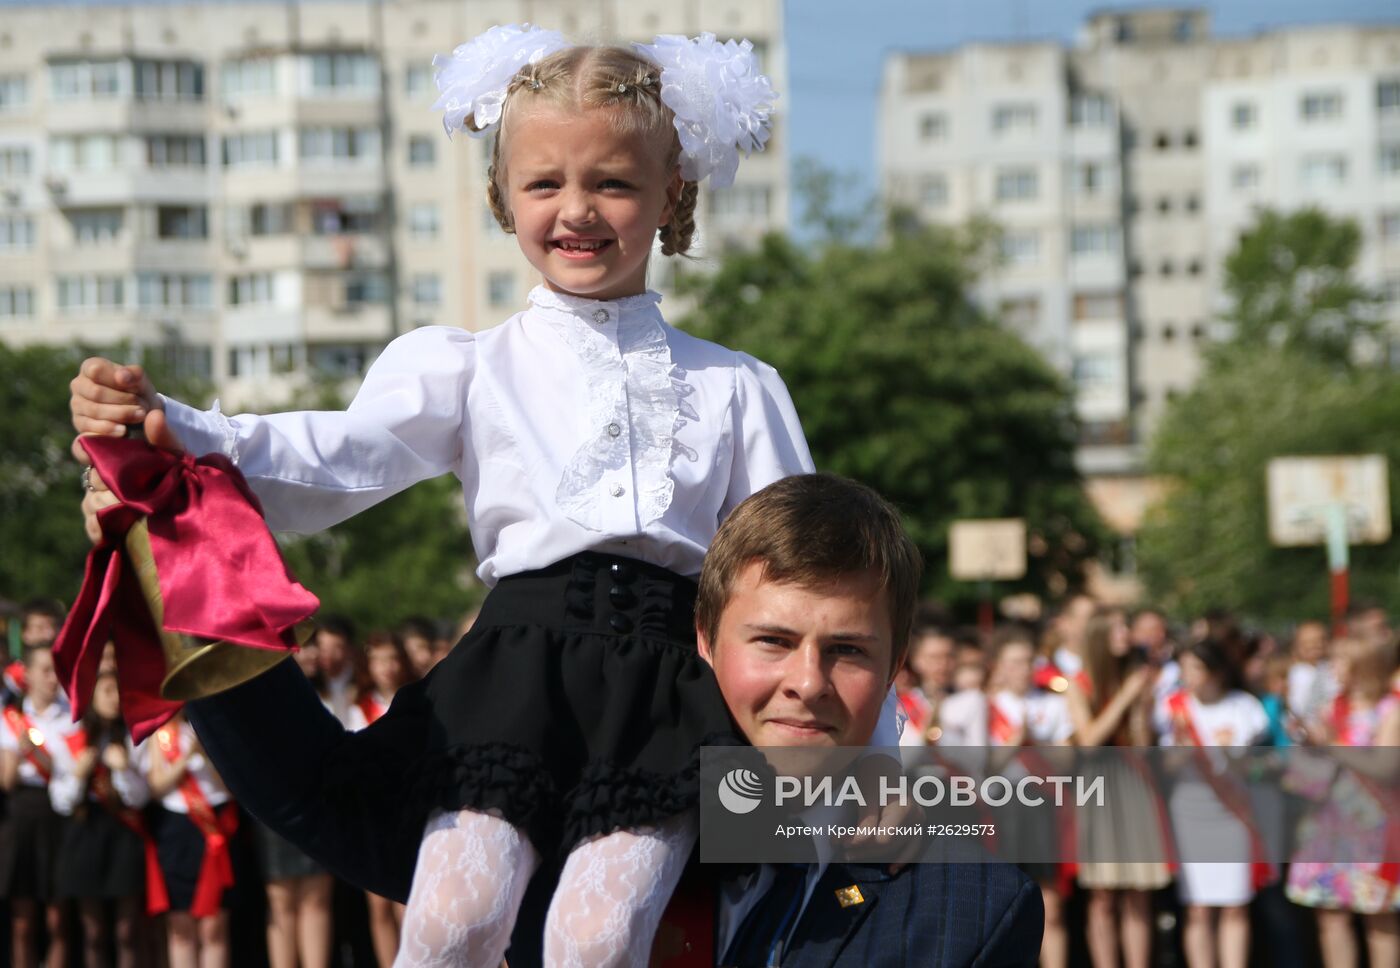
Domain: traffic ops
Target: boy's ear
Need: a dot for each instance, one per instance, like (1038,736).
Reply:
(702,644)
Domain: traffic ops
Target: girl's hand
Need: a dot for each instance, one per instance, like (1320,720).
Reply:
(86,763)
(108,396)
(115,758)
(1137,681)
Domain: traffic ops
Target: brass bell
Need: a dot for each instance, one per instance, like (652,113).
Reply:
(197,667)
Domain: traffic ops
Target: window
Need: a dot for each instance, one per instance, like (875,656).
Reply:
(155,290)
(95,226)
(1188,139)
(1088,178)
(14,162)
(1390,226)
(1167,268)
(1090,111)
(500,288)
(1021,312)
(88,152)
(427,289)
(741,203)
(340,146)
(168,80)
(1387,98)
(1390,290)
(1098,305)
(424,221)
(250,289)
(422,152)
(89,293)
(1244,115)
(365,287)
(1017,184)
(84,80)
(933,127)
(249,77)
(338,360)
(1321,106)
(417,80)
(16,233)
(1013,117)
(1193,203)
(1020,247)
(269,219)
(1094,239)
(263,360)
(175,151)
(16,302)
(1096,370)
(251,149)
(1163,141)
(345,216)
(1389,162)
(1164,205)
(1321,171)
(1244,177)
(343,74)
(933,191)
(14,92)
(182,222)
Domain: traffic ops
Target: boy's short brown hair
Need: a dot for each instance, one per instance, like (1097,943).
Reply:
(808,530)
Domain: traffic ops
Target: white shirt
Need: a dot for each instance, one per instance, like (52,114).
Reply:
(356,720)
(198,766)
(962,718)
(67,790)
(1045,715)
(1236,719)
(575,425)
(55,722)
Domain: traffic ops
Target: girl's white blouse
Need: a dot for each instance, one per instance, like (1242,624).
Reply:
(575,425)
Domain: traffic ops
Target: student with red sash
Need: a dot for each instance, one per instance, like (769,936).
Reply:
(387,668)
(194,831)
(1365,713)
(107,854)
(299,890)
(1213,809)
(32,831)
(1021,715)
(1110,704)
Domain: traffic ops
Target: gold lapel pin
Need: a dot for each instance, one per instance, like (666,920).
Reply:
(848,896)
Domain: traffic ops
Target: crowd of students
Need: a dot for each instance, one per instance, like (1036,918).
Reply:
(1091,676)
(137,855)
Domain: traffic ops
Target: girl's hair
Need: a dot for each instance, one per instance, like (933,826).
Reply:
(598,77)
(100,730)
(1221,659)
(381,640)
(1372,663)
(1105,670)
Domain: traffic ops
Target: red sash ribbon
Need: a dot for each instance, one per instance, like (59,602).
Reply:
(216,870)
(1230,794)
(221,575)
(1000,729)
(1389,869)
(22,726)
(157,898)
(371,707)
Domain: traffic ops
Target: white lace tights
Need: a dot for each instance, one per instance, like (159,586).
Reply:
(471,876)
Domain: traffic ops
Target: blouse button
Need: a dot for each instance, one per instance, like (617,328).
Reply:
(614,430)
(617,490)
(620,623)
(600,316)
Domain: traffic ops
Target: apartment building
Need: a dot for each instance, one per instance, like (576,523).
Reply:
(1122,170)
(261,190)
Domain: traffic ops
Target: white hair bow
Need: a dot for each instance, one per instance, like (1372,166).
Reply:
(722,104)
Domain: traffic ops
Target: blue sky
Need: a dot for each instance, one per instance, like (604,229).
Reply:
(832,113)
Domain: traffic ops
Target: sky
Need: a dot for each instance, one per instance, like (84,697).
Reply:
(832,114)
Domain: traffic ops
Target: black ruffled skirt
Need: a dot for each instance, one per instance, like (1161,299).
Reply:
(29,840)
(576,705)
(100,857)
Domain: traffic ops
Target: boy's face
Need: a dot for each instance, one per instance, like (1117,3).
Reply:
(803,666)
(38,629)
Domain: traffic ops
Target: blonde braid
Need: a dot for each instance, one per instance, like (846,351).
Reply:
(677,234)
(494,196)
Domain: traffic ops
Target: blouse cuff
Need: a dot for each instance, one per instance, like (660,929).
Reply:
(201,431)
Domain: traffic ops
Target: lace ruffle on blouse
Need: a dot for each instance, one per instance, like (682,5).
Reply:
(633,388)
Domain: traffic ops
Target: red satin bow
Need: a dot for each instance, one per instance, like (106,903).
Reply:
(221,575)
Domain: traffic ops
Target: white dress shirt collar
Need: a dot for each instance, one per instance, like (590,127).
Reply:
(559,307)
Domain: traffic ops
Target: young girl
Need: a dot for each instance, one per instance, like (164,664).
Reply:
(194,831)
(1018,715)
(598,449)
(1366,713)
(387,670)
(1110,705)
(32,831)
(1210,710)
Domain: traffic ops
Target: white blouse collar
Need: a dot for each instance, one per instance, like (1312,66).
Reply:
(560,307)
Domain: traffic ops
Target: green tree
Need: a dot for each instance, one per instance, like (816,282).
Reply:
(41,527)
(1292,378)
(901,382)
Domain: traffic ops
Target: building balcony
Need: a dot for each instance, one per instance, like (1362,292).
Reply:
(354,323)
(84,189)
(344,251)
